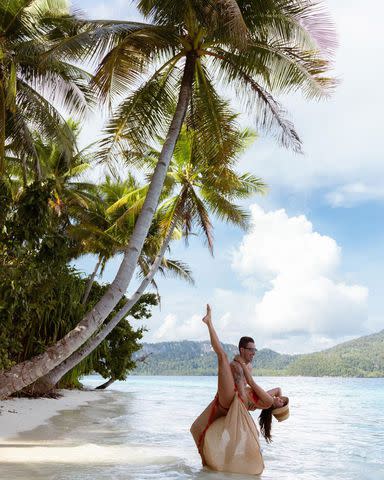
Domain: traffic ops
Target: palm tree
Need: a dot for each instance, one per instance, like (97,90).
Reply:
(103,231)
(255,47)
(195,188)
(34,86)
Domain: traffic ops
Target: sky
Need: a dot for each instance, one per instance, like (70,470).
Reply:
(308,273)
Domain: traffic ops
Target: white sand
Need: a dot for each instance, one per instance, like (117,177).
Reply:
(23,414)
(42,454)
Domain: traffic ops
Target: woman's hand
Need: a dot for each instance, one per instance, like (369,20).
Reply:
(237,358)
(278,402)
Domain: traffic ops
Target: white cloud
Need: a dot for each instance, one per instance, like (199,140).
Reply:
(354,193)
(304,295)
(292,296)
(282,244)
(111,10)
(173,328)
(341,136)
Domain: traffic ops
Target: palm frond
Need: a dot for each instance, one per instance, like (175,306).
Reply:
(268,114)
(11,16)
(77,170)
(201,215)
(128,197)
(249,184)
(302,23)
(142,116)
(225,20)
(213,123)
(125,65)
(294,68)
(20,137)
(177,269)
(226,210)
(85,40)
(44,117)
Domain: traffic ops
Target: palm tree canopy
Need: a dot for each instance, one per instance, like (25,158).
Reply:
(254,48)
(36,87)
(198,185)
(105,224)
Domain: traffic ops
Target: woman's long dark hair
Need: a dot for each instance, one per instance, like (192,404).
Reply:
(265,422)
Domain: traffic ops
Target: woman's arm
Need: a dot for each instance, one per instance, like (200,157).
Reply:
(266,399)
(238,376)
(275,392)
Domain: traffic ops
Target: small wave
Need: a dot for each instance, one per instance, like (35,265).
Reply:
(90,454)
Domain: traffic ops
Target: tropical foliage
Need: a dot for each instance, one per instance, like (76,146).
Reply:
(40,294)
(35,312)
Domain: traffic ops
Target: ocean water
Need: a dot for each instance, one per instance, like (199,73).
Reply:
(139,430)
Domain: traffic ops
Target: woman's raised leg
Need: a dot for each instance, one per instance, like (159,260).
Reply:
(226,383)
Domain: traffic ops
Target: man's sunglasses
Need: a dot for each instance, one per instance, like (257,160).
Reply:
(253,350)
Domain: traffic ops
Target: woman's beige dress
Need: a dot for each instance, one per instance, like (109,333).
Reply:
(228,441)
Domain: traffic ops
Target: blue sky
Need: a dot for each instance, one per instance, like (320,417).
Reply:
(309,273)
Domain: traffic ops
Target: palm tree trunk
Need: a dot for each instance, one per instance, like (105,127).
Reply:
(48,382)
(109,382)
(24,169)
(25,373)
(2,130)
(106,384)
(38,173)
(90,282)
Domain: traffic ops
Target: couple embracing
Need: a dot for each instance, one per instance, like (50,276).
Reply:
(225,434)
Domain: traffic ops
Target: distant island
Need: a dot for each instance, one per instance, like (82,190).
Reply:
(362,357)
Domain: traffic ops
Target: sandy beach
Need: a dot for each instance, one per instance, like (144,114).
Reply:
(23,414)
(42,436)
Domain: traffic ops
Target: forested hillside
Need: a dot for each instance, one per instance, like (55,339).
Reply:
(362,357)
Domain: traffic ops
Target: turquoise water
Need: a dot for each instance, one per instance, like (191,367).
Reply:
(140,431)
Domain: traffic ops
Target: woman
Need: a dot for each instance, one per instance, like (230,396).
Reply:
(255,396)
(279,408)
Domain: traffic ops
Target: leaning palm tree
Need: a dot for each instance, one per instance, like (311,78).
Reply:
(195,189)
(255,47)
(103,231)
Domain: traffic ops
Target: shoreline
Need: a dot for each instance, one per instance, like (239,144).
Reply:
(19,415)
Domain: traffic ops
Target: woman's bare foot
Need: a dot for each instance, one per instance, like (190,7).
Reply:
(207,318)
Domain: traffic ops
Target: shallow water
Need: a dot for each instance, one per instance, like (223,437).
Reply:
(140,431)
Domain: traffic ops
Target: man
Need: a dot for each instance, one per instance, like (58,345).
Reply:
(253,396)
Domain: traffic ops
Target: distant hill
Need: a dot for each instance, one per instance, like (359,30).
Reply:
(362,357)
